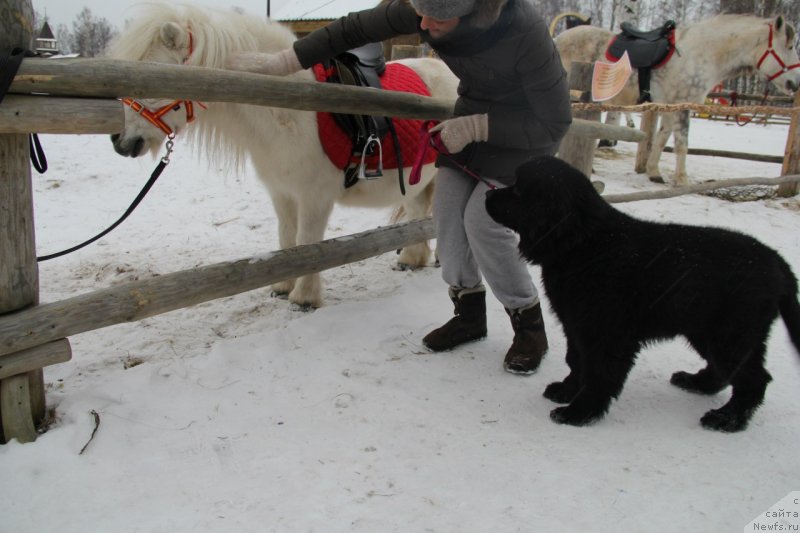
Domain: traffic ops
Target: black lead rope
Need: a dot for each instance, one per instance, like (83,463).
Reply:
(147,186)
(38,159)
(9,65)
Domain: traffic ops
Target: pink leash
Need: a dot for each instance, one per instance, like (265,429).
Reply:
(428,140)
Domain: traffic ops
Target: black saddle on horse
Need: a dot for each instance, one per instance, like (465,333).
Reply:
(362,67)
(646,50)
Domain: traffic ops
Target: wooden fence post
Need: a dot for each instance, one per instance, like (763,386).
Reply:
(22,394)
(648,126)
(575,150)
(791,161)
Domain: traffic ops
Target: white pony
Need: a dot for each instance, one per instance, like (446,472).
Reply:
(283,144)
(707,52)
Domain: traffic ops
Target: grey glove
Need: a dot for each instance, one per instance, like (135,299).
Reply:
(456,133)
(280,63)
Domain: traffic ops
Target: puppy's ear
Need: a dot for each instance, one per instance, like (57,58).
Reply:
(588,201)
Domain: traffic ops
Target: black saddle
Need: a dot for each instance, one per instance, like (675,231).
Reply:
(647,35)
(646,50)
(362,67)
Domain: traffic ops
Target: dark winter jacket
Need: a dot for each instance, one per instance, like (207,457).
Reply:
(505,60)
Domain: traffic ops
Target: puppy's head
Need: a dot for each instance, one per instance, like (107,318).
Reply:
(552,206)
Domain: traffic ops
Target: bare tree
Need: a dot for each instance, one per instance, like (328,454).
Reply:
(625,11)
(90,35)
(64,38)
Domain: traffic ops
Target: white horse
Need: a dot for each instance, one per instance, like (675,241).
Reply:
(283,144)
(707,52)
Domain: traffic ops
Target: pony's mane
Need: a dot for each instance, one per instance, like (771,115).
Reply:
(215,34)
(740,20)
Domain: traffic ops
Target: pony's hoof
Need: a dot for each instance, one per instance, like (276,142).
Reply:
(301,308)
(279,295)
(404,267)
(407,267)
(656,179)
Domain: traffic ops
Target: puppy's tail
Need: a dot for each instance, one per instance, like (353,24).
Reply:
(790,312)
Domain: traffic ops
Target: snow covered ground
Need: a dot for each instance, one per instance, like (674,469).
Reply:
(244,415)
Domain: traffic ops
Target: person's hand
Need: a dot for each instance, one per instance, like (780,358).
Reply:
(281,63)
(456,133)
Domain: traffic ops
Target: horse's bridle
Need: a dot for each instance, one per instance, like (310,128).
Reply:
(154,117)
(770,51)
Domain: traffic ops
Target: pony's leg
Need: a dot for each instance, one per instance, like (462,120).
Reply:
(416,255)
(629,120)
(313,215)
(286,210)
(663,135)
(612,118)
(681,130)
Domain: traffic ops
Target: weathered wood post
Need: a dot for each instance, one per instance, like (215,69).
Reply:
(405,51)
(648,126)
(21,395)
(578,151)
(791,160)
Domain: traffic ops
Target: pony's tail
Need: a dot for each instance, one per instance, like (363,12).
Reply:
(790,310)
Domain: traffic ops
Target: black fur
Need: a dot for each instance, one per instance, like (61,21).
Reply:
(617,283)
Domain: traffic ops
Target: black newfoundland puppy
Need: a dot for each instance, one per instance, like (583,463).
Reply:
(617,283)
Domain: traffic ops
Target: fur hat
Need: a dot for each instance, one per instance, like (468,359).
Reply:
(444,9)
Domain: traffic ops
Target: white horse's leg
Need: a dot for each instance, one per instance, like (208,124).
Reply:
(312,219)
(663,135)
(612,118)
(286,210)
(681,137)
(416,255)
(629,120)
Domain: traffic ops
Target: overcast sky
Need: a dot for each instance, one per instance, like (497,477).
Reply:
(116,11)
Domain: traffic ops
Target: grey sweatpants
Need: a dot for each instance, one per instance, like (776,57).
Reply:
(471,245)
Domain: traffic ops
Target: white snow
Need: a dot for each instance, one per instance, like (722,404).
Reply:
(244,415)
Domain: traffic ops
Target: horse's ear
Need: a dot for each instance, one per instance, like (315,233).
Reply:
(173,36)
(779,23)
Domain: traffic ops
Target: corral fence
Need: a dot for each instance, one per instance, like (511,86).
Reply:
(580,81)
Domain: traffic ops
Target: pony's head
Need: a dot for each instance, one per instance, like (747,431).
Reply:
(182,34)
(779,63)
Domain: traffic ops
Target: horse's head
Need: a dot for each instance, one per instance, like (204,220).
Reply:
(176,35)
(779,62)
(148,121)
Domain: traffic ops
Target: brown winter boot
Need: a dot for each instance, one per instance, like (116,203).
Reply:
(468,324)
(530,341)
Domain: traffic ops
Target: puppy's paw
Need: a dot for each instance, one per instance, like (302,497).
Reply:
(573,417)
(723,420)
(699,383)
(560,392)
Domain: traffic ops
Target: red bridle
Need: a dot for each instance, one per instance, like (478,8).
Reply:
(154,117)
(771,52)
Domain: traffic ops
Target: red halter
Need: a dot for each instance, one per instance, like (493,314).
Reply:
(154,117)
(771,52)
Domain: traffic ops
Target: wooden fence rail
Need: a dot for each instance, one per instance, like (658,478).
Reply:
(142,299)
(104,78)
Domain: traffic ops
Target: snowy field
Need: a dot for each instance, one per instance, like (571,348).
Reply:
(245,415)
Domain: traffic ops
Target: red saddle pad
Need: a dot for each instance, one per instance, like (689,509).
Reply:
(337,144)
